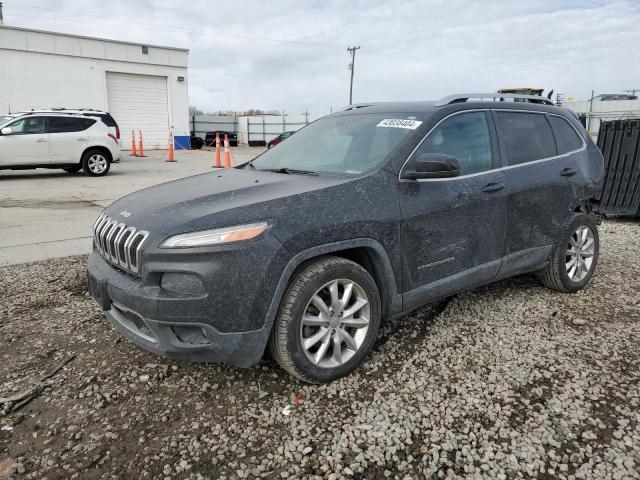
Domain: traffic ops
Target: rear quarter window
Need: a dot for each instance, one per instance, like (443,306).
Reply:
(106,119)
(567,138)
(86,122)
(525,137)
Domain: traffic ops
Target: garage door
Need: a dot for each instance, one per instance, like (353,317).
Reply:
(139,102)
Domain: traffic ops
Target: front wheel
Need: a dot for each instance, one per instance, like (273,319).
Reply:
(327,322)
(575,255)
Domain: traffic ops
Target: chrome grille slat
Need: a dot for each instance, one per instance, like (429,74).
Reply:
(118,243)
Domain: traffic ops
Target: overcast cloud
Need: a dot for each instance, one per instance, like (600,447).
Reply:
(411,50)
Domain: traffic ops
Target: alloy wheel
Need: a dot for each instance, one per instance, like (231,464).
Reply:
(97,163)
(579,255)
(335,323)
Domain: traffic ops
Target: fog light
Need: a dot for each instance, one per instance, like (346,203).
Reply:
(182,283)
(191,334)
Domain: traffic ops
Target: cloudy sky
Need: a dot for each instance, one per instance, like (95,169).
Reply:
(292,54)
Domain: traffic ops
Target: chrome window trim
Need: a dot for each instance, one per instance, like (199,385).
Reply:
(508,167)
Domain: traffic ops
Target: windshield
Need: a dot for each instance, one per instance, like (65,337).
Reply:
(349,144)
(4,119)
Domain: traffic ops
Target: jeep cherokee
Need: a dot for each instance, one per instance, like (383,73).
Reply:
(363,215)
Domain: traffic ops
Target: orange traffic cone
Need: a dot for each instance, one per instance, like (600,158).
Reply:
(227,153)
(218,163)
(133,144)
(170,159)
(140,147)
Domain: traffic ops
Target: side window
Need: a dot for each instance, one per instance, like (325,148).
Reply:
(28,126)
(63,125)
(465,136)
(567,138)
(85,122)
(525,137)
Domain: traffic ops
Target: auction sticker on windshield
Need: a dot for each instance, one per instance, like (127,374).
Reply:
(398,123)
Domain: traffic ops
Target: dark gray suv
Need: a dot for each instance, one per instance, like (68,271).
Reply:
(360,216)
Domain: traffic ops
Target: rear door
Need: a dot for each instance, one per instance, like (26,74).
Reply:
(453,228)
(571,145)
(27,145)
(539,197)
(68,138)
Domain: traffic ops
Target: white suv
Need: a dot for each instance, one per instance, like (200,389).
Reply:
(70,141)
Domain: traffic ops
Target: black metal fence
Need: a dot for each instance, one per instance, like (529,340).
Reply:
(619,142)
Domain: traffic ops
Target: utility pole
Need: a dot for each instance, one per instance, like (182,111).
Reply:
(352,51)
(632,91)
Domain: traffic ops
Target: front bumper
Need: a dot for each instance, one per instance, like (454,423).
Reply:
(167,325)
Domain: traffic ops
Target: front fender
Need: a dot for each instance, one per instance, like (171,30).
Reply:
(384,272)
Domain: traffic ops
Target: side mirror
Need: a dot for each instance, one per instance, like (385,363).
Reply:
(433,165)
(6,131)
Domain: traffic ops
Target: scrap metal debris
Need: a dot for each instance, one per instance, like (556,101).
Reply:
(19,400)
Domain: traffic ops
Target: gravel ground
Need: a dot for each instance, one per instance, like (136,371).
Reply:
(506,381)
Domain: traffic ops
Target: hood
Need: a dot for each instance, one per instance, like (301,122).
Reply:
(189,201)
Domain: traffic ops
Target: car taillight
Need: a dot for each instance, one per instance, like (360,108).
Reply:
(118,133)
(114,138)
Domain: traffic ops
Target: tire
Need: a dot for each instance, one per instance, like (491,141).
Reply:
(74,169)
(96,163)
(569,272)
(316,280)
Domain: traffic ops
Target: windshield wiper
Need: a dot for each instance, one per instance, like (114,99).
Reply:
(291,171)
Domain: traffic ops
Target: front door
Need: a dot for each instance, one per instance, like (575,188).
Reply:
(26,145)
(453,229)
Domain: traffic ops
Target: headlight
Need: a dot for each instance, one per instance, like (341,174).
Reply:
(216,236)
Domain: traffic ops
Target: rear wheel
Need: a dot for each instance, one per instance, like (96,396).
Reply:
(95,163)
(575,255)
(328,320)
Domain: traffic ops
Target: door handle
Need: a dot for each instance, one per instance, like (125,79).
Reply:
(81,139)
(567,172)
(41,140)
(493,187)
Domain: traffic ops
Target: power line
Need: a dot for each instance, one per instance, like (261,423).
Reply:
(352,67)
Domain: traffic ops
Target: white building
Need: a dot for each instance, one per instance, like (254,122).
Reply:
(144,87)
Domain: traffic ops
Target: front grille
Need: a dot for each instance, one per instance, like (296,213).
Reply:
(118,243)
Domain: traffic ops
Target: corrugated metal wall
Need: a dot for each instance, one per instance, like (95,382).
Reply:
(619,142)
(201,124)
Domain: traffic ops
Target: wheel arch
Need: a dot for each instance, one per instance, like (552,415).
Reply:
(98,148)
(366,252)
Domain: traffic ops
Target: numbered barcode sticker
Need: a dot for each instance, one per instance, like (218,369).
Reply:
(398,123)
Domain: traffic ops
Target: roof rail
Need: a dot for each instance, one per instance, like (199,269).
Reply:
(53,112)
(496,97)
